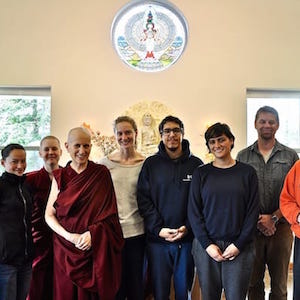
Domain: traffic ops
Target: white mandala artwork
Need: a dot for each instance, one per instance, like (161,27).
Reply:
(149,36)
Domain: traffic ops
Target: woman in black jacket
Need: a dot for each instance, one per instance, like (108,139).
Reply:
(15,226)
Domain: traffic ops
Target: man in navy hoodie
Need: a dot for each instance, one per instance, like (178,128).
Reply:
(163,188)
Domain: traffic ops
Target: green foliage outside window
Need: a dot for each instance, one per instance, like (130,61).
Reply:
(25,120)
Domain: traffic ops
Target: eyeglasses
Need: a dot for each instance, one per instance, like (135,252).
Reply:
(167,131)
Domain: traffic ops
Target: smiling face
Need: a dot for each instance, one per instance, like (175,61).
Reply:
(15,162)
(79,146)
(125,135)
(220,146)
(172,136)
(50,152)
(266,126)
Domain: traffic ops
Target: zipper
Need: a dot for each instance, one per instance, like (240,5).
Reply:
(24,219)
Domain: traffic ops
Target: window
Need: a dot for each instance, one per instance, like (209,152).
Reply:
(25,119)
(287,103)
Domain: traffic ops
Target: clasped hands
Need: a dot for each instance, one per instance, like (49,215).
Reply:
(172,235)
(265,225)
(215,252)
(81,241)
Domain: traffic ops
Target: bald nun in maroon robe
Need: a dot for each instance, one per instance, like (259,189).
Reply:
(88,238)
(41,286)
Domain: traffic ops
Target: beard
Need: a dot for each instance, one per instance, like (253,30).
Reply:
(173,145)
(173,149)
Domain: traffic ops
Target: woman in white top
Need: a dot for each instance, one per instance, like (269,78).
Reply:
(125,165)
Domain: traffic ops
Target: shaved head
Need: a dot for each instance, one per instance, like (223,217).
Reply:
(79,147)
(77,132)
(49,137)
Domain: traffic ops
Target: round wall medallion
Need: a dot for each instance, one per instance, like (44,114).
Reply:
(149,36)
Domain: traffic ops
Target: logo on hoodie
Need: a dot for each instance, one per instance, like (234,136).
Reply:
(188,177)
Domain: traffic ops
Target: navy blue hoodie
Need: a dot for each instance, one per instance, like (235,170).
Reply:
(163,188)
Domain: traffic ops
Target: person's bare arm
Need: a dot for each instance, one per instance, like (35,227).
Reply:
(51,220)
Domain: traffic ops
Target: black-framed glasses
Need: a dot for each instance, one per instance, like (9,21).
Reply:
(168,131)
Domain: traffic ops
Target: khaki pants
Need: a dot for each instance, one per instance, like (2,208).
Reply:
(273,252)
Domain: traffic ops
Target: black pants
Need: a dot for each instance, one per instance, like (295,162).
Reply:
(133,255)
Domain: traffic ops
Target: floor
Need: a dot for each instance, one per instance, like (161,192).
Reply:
(290,285)
(267,283)
(196,290)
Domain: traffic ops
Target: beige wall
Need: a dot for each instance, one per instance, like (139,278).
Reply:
(233,44)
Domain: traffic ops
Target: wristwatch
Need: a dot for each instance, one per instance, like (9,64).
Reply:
(275,219)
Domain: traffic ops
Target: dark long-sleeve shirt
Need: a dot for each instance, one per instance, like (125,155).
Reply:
(223,204)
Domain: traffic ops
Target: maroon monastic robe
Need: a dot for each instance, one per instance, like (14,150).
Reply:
(86,201)
(41,286)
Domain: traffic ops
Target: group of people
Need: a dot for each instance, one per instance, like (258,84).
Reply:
(105,230)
